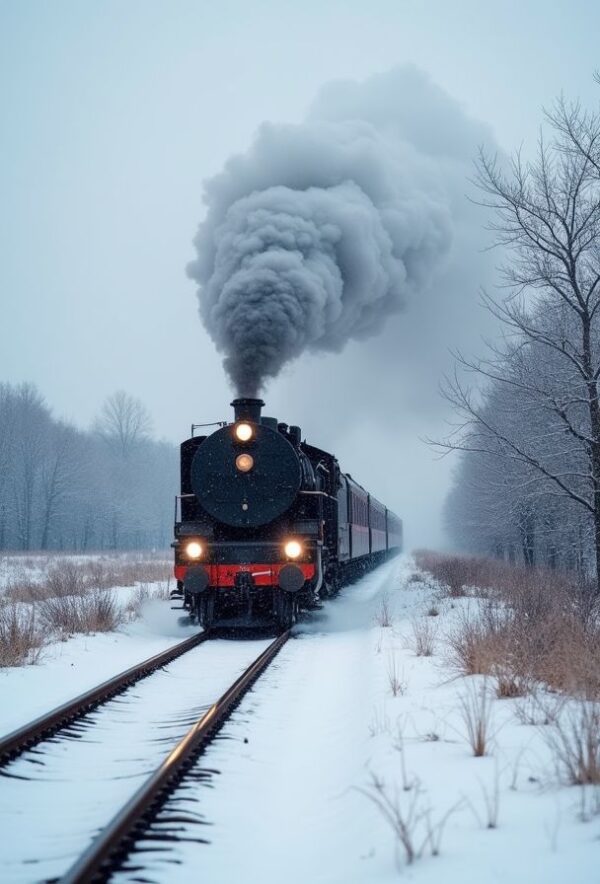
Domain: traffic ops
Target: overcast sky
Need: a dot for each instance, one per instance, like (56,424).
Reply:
(113,114)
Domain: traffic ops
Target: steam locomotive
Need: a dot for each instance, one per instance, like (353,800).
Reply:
(267,525)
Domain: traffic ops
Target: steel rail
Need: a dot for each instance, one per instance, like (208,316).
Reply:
(115,842)
(17,742)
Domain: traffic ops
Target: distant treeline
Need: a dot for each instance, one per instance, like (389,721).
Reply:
(63,488)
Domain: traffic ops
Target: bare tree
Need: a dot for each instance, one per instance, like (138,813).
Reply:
(63,488)
(31,425)
(61,471)
(124,422)
(547,217)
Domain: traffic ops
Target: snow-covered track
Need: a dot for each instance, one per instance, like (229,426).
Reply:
(112,846)
(46,726)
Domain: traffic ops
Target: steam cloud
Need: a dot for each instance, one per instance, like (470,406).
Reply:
(324,229)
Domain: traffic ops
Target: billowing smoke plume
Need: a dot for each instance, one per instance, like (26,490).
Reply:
(322,230)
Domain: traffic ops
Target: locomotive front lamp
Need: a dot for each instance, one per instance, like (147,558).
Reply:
(244,462)
(293,549)
(194,550)
(243,432)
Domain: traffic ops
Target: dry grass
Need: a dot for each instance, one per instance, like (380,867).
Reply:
(479,644)
(396,681)
(95,611)
(68,576)
(20,641)
(72,596)
(410,818)
(424,636)
(384,617)
(574,739)
(529,625)
(454,572)
(510,684)
(475,709)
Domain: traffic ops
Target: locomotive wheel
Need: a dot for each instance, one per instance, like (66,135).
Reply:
(205,609)
(285,610)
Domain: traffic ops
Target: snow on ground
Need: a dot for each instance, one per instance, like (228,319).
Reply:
(33,567)
(286,800)
(55,798)
(286,804)
(71,666)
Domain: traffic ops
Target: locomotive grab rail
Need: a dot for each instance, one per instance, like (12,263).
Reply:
(319,494)
(211,424)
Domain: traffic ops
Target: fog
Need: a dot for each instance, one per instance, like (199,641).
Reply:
(114,117)
(322,231)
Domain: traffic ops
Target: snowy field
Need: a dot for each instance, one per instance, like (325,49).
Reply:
(349,714)
(48,599)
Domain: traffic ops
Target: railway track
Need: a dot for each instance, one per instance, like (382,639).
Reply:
(95,761)
(50,724)
(113,844)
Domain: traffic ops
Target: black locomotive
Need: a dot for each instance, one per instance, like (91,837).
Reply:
(267,524)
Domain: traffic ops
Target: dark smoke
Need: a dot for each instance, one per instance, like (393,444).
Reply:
(322,230)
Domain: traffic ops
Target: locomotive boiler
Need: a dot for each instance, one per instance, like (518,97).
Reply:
(267,524)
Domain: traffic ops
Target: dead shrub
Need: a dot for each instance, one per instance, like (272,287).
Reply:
(574,739)
(453,572)
(409,815)
(475,709)
(142,571)
(95,611)
(23,590)
(65,578)
(383,617)
(472,645)
(510,684)
(72,576)
(20,641)
(530,625)
(424,635)
(568,655)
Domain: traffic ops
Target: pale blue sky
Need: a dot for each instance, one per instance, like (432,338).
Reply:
(113,113)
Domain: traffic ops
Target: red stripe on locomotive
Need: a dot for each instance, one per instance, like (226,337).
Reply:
(264,575)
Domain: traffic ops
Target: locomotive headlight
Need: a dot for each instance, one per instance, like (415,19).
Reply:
(194,550)
(243,432)
(244,462)
(293,549)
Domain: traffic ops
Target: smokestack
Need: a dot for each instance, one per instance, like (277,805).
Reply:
(247,410)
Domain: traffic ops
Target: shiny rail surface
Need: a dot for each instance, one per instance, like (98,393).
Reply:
(22,739)
(107,852)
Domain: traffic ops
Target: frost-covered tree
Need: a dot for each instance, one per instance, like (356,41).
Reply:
(69,489)
(124,422)
(541,408)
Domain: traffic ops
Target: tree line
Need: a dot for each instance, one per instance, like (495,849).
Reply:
(63,488)
(527,485)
